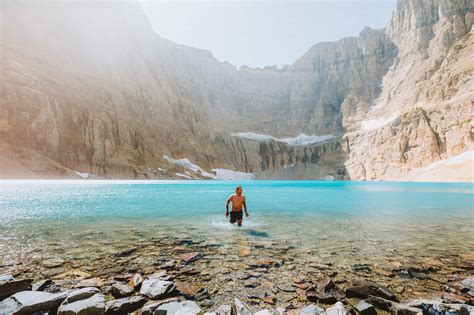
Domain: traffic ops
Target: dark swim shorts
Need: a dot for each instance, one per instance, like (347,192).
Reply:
(235,216)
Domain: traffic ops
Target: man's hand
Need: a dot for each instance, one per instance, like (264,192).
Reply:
(227,212)
(246,214)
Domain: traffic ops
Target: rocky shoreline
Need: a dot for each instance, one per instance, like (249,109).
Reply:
(169,275)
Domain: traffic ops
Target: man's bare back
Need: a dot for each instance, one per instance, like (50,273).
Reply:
(238,202)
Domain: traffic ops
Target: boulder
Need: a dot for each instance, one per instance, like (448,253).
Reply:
(179,308)
(241,308)
(121,290)
(224,310)
(156,288)
(337,309)
(365,308)
(29,302)
(312,310)
(9,285)
(81,294)
(125,305)
(94,305)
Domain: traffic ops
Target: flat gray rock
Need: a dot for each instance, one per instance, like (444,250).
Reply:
(94,305)
(156,288)
(224,310)
(81,294)
(179,308)
(365,308)
(312,310)
(28,302)
(125,305)
(121,290)
(241,308)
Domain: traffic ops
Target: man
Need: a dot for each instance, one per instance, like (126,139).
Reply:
(238,200)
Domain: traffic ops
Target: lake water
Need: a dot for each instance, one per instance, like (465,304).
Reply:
(342,222)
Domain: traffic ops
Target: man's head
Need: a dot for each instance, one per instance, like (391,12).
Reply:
(238,190)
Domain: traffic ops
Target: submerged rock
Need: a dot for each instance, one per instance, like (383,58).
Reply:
(125,305)
(9,285)
(363,291)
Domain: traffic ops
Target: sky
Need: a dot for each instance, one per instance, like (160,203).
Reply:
(263,33)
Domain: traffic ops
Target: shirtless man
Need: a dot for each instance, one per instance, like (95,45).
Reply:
(238,200)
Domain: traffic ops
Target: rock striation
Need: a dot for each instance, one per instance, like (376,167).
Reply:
(111,98)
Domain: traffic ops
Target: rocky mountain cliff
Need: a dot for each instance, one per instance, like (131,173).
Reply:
(88,87)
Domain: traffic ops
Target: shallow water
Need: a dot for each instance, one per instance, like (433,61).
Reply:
(352,220)
(343,223)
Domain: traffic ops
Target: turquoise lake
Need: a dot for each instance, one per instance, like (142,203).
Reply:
(346,221)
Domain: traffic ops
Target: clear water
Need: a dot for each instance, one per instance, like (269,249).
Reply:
(344,222)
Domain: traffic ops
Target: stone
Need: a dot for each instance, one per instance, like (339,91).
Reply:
(81,294)
(179,308)
(125,253)
(453,298)
(156,288)
(52,262)
(190,257)
(263,312)
(286,288)
(467,284)
(321,297)
(241,308)
(337,309)
(365,308)
(312,310)
(402,309)
(94,305)
(125,305)
(188,289)
(121,290)
(41,285)
(326,286)
(136,281)
(92,282)
(150,307)
(224,310)
(29,302)
(9,285)
(363,291)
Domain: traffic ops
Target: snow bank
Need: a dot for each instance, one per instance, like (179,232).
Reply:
(225,174)
(82,175)
(300,140)
(458,159)
(371,124)
(221,173)
(188,165)
(328,178)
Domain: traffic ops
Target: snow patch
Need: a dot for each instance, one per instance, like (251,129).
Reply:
(82,175)
(371,124)
(184,176)
(300,140)
(221,173)
(458,159)
(188,165)
(225,174)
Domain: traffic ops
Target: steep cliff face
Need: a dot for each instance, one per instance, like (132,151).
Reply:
(89,87)
(424,113)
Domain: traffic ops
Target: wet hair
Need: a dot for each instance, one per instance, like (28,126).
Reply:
(238,187)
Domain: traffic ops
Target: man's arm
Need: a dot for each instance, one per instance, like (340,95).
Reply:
(227,205)
(245,206)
